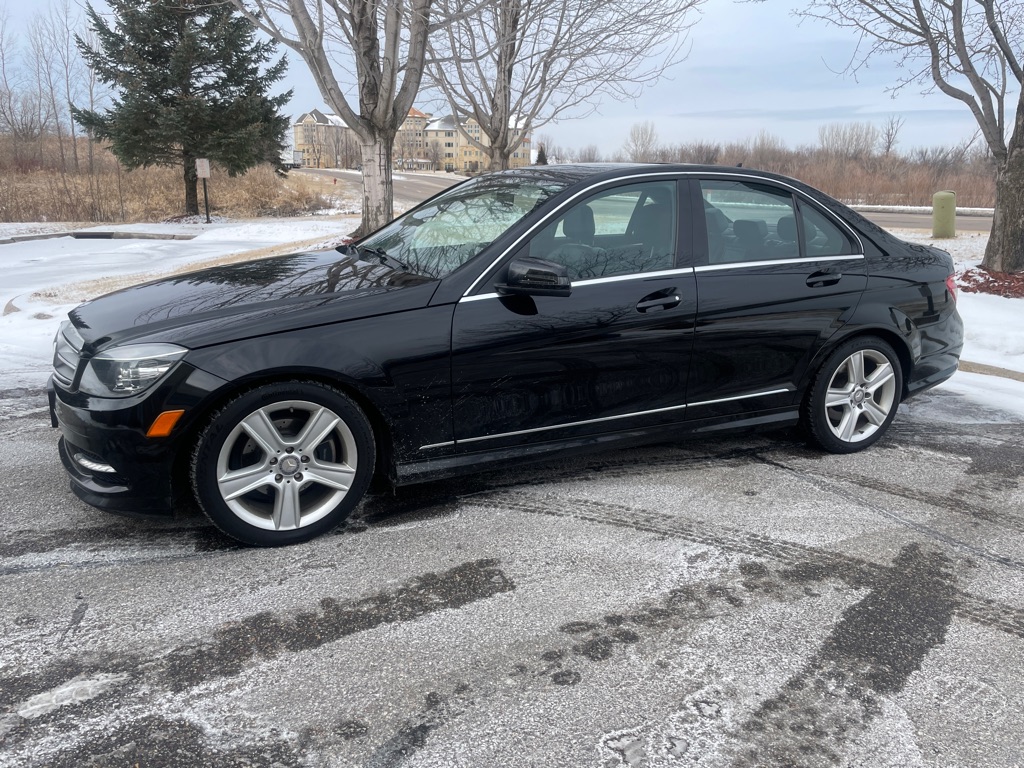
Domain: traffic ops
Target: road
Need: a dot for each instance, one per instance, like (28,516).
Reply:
(411,188)
(737,601)
(904,220)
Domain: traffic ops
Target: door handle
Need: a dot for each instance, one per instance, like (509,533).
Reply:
(665,299)
(823,278)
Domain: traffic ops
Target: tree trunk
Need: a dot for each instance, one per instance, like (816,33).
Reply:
(1005,249)
(191,196)
(378,192)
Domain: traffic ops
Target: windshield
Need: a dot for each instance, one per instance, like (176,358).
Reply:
(441,236)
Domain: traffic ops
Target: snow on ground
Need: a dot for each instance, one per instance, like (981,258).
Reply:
(44,279)
(9,229)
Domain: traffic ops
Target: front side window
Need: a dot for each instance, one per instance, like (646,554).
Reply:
(440,236)
(618,231)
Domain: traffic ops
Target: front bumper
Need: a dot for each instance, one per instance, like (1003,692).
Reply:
(111,463)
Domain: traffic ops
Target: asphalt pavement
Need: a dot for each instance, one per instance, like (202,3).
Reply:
(739,601)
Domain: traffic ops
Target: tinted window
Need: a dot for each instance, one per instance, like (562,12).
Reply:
(619,231)
(748,222)
(821,236)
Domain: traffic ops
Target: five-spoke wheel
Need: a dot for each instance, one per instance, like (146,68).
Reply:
(854,398)
(283,463)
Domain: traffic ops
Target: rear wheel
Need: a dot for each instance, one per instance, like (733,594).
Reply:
(283,463)
(854,396)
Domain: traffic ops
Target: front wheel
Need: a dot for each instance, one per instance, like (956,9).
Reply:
(854,397)
(283,463)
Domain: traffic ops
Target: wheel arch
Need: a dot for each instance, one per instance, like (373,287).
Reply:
(383,438)
(898,343)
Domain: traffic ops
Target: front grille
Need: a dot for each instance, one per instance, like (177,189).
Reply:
(67,351)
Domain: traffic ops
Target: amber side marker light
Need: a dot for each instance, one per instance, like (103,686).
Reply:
(164,423)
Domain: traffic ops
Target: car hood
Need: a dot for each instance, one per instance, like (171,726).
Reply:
(250,298)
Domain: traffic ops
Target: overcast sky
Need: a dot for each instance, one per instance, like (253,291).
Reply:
(751,67)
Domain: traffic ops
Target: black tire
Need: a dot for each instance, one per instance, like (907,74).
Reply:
(854,396)
(256,480)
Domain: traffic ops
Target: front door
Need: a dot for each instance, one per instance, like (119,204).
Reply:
(612,356)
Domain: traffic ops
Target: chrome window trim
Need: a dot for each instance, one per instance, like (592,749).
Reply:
(605,418)
(768,262)
(547,219)
(678,174)
(685,271)
(803,195)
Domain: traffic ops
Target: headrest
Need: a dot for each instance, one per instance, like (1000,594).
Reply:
(578,224)
(786,228)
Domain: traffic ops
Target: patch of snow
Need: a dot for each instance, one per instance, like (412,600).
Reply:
(918,209)
(9,229)
(75,691)
(33,295)
(1000,397)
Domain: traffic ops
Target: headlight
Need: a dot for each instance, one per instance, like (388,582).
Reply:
(128,370)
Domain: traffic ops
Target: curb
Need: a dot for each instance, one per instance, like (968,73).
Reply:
(88,234)
(990,370)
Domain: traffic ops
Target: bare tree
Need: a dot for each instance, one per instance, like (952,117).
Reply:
(317,145)
(850,141)
(642,144)
(515,65)
(889,135)
(56,32)
(970,51)
(383,42)
(405,149)
(25,113)
(589,154)
(434,154)
(342,147)
(701,152)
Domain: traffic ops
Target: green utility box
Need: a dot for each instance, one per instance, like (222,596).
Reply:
(944,214)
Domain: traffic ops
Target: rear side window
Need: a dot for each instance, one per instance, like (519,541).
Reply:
(748,222)
(821,236)
(755,222)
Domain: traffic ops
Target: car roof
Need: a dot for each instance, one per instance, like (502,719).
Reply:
(577,172)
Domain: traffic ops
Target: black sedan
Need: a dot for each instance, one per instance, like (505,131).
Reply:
(515,316)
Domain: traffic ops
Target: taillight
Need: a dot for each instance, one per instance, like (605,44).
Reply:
(951,287)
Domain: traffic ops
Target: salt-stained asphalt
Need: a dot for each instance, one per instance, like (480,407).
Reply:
(739,601)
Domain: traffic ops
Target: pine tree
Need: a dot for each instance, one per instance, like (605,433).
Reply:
(542,156)
(189,82)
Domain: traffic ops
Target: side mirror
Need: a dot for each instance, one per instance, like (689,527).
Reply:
(535,277)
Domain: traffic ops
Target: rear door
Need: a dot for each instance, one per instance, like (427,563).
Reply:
(777,276)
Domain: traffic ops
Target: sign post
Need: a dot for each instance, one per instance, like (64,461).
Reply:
(203,172)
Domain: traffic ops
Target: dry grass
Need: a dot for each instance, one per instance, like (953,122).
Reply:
(867,178)
(111,194)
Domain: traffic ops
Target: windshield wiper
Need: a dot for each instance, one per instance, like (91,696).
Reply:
(384,257)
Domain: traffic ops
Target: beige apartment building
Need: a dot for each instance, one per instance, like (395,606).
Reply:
(423,143)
